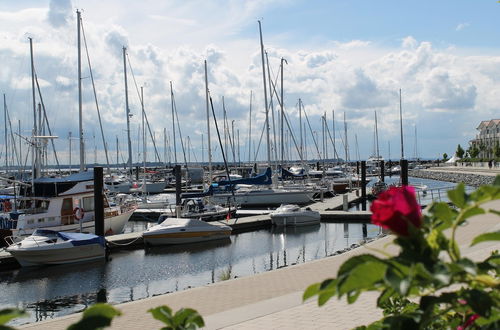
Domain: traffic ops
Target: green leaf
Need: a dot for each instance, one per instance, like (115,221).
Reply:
(495,212)
(497,178)
(443,212)
(455,250)
(493,236)
(325,295)
(311,291)
(96,317)
(400,322)
(472,212)
(9,314)
(353,262)
(352,296)
(188,318)
(467,265)
(385,296)
(399,282)
(162,313)
(363,276)
(479,301)
(457,196)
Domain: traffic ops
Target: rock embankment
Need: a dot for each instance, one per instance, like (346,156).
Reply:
(467,178)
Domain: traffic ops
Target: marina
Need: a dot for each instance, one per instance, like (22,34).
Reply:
(156,155)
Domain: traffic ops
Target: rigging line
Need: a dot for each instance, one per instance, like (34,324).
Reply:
(95,95)
(330,135)
(222,150)
(13,140)
(145,115)
(309,124)
(47,121)
(260,141)
(271,107)
(180,133)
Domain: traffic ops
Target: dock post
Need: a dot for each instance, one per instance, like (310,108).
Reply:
(345,204)
(178,178)
(357,168)
(98,202)
(382,171)
(363,185)
(404,172)
(137,173)
(390,168)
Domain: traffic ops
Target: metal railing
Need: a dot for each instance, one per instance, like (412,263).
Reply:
(427,196)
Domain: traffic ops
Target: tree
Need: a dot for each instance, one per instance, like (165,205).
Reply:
(460,151)
(473,151)
(445,156)
(496,150)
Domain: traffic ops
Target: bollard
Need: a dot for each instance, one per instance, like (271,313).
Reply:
(345,204)
(382,171)
(178,174)
(178,209)
(98,202)
(321,196)
(363,179)
(404,172)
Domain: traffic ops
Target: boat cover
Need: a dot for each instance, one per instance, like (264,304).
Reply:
(286,174)
(262,179)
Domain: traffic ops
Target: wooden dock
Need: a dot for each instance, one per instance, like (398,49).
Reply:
(330,210)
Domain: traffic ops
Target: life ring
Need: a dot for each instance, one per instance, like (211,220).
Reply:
(78,213)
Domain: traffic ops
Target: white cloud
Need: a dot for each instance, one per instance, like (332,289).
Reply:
(462,26)
(356,77)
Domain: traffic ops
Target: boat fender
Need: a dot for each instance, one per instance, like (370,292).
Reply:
(7,206)
(78,213)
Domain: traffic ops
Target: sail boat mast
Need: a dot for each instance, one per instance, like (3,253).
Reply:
(376,137)
(80,113)
(33,159)
(401,125)
(265,95)
(208,127)
(127,110)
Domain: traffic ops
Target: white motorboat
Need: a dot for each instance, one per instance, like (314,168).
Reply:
(117,184)
(293,215)
(180,231)
(63,204)
(48,247)
(253,196)
(196,208)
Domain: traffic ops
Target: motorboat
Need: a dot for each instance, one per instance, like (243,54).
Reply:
(48,247)
(196,208)
(293,215)
(254,196)
(63,204)
(117,184)
(180,231)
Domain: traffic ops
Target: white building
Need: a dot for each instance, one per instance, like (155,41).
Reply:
(487,138)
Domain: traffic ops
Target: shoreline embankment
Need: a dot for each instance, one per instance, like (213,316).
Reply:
(456,175)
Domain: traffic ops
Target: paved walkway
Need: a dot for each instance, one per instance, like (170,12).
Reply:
(466,170)
(273,299)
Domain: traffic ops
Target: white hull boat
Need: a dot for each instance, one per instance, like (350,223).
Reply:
(254,197)
(181,231)
(47,247)
(293,215)
(64,204)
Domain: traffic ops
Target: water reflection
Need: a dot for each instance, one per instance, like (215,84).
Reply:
(137,274)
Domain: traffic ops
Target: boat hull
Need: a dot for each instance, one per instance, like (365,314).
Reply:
(57,256)
(112,225)
(184,237)
(290,219)
(265,197)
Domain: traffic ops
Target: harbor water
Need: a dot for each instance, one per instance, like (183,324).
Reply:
(49,292)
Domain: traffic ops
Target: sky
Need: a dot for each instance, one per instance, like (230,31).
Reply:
(346,58)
